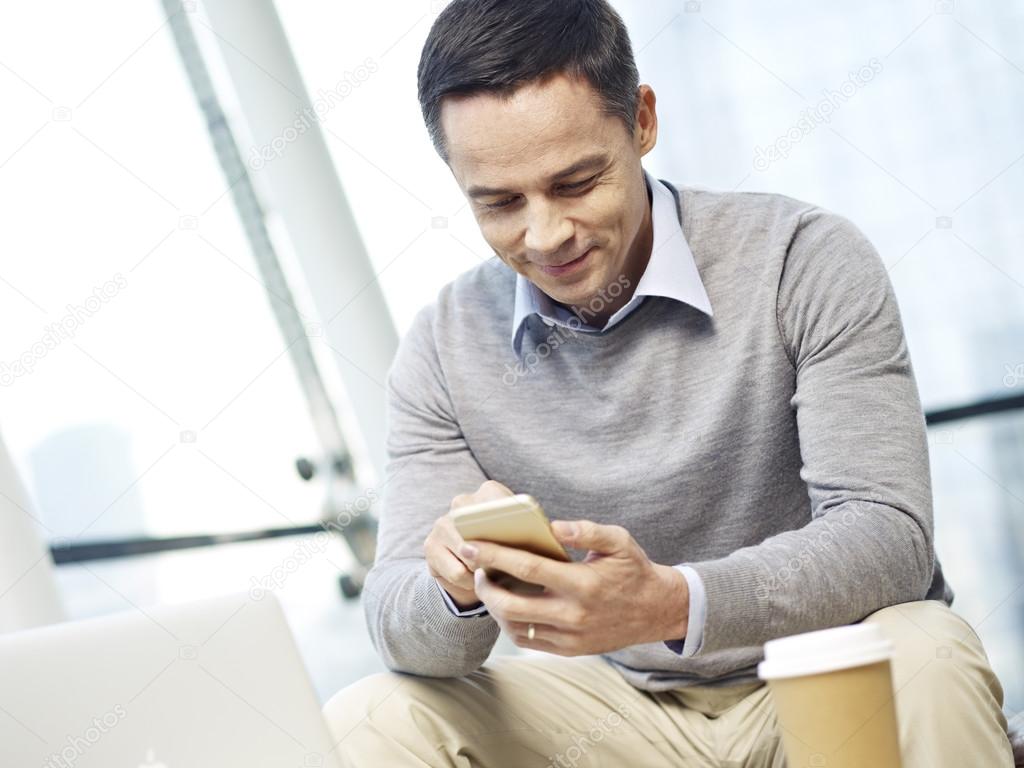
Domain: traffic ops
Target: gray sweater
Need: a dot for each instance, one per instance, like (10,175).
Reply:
(778,448)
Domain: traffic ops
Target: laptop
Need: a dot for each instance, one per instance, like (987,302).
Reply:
(216,682)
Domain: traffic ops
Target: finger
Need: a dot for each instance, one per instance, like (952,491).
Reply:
(526,566)
(447,567)
(503,602)
(488,491)
(542,645)
(509,607)
(544,637)
(448,534)
(538,609)
(462,500)
(584,534)
(493,595)
(492,489)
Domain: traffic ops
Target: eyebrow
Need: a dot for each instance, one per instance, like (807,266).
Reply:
(590,162)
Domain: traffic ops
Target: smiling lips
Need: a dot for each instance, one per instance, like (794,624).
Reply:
(569,266)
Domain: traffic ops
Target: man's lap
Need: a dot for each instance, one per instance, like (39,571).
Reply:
(579,711)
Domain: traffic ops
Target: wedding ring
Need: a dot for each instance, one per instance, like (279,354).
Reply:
(530,632)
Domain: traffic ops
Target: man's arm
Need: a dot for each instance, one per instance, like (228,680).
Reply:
(429,464)
(869,543)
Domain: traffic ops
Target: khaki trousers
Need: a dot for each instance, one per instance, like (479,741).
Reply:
(549,711)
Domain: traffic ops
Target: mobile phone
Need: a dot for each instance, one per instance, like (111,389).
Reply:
(514,521)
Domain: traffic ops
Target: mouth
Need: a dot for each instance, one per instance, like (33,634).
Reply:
(567,267)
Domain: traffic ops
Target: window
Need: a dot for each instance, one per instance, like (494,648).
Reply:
(154,395)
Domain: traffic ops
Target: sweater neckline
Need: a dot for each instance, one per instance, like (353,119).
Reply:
(600,338)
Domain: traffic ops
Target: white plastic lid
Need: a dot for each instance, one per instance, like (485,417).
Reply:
(826,650)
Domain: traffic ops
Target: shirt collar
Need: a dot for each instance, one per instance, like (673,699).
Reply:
(671,272)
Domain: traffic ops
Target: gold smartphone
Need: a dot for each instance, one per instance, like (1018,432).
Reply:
(514,521)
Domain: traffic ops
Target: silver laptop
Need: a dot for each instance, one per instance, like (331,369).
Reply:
(217,682)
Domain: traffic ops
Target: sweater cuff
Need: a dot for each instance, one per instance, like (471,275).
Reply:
(434,615)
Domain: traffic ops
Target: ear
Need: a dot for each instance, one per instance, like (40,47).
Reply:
(646,134)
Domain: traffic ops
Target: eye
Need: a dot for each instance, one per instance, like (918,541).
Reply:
(505,203)
(576,186)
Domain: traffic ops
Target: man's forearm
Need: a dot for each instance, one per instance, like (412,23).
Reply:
(858,558)
(412,628)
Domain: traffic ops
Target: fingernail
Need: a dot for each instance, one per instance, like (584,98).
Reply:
(468,551)
(567,529)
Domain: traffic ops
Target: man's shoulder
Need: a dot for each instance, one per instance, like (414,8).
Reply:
(489,286)
(703,206)
(720,221)
(481,297)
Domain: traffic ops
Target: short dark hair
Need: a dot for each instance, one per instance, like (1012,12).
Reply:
(499,45)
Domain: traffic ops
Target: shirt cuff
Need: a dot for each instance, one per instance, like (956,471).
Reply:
(690,644)
(480,610)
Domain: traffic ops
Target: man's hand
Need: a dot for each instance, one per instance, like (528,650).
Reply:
(442,546)
(614,598)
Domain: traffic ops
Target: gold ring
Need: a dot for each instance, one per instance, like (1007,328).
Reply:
(530,632)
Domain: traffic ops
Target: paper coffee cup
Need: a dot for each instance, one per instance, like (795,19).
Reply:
(833,697)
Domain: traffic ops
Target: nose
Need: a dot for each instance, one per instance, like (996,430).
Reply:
(547,229)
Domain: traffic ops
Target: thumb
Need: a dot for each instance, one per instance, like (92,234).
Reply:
(584,534)
(491,490)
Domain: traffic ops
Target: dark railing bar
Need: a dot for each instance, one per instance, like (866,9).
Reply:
(979,408)
(147,545)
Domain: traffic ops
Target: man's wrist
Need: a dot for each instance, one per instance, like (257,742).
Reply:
(464,599)
(476,608)
(674,604)
(462,602)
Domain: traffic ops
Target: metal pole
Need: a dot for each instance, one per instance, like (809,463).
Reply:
(304,189)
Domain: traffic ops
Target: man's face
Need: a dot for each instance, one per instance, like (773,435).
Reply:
(555,183)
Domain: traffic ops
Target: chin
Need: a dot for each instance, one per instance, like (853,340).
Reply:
(577,292)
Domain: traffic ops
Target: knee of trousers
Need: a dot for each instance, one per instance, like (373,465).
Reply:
(937,655)
(354,704)
(382,702)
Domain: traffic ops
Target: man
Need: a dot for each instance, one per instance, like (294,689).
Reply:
(710,392)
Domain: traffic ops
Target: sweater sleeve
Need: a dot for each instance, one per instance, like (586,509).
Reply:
(429,463)
(869,540)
